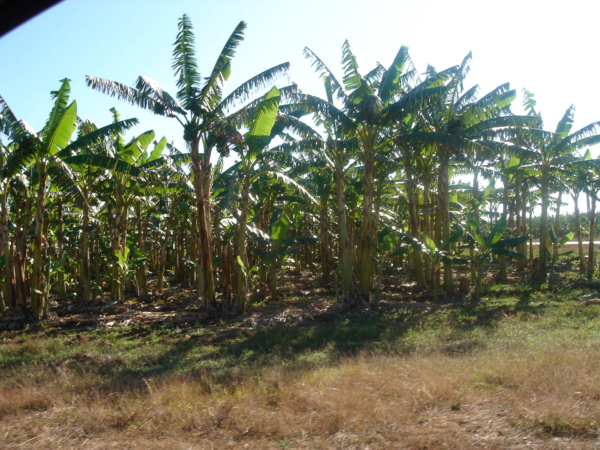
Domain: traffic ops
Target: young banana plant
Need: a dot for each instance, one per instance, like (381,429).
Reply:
(491,244)
(437,256)
(556,244)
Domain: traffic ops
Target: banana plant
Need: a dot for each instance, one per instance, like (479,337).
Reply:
(41,150)
(279,247)
(389,245)
(440,255)
(256,139)
(126,165)
(201,110)
(549,153)
(127,264)
(556,244)
(491,244)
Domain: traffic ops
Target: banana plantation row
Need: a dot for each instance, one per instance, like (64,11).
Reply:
(362,179)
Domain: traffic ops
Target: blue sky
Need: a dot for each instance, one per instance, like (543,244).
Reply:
(550,51)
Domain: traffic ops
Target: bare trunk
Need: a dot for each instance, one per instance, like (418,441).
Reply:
(226,277)
(475,194)
(543,257)
(163,251)
(324,237)
(141,271)
(557,221)
(523,247)
(346,266)
(505,181)
(62,288)
(367,232)
(202,185)
(241,244)
(579,234)
(38,295)
(413,222)
(444,210)
(85,255)
(591,248)
(8,279)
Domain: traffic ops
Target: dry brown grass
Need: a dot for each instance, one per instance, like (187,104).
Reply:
(486,399)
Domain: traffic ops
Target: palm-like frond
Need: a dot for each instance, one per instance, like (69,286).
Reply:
(61,99)
(185,64)
(293,124)
(323,70)
(413,102)
(374,76)
(292,182)
(489,105)
(150,88)
(62,179)
(22,156)
(324,109)
(9,124)
(253,85)
(97,135)
(501,122)
(211,91)
(455,86)
(390,78)
(566,122)
(419,138)
(302,146)
(437,79)
(104,162)
(588,131)
(127,93)
(229,49)
(467,98)
(352,79)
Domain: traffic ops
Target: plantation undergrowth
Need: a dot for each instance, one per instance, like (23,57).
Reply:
(518,369)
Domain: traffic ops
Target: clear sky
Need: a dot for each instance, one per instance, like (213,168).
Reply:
(552,51)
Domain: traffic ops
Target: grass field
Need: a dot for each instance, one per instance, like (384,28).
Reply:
(521,369)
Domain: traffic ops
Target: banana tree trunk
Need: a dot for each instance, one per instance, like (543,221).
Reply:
(194,255)
(324,237)
(427,226)
(444,211)
(579,234)
(557,221)
(163,251)
(505,181)
(475,194)
(141,271)
(62,288)
(218,239)
(97,258)
(85,255)
(202,186)
(346,266)
(367,232)
(226,264)
(8,269)
(531,236)
(413,221)
(523,230)
(591,253)
(116,234)
(24,239)
(38,296)
(543,256)
(480,268)
(241,244)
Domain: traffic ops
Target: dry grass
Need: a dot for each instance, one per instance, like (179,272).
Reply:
(484,399)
